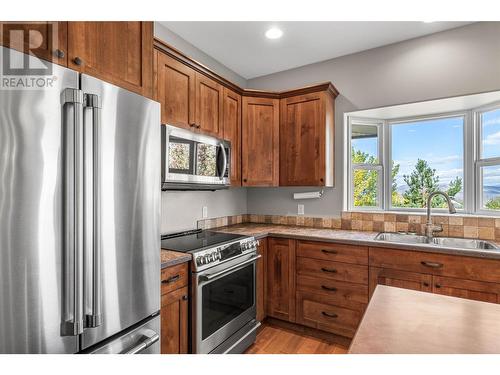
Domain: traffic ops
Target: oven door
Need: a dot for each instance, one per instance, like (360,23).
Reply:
(193,161)
(224,302)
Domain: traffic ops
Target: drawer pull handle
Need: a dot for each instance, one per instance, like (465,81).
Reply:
(329,270)
(426,284)
(438,286)
(329,288)
(171,279)
(326,251)
(329,315)
(431,264)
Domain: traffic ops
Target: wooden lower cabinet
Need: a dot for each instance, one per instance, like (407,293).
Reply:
(399,279)
(174,322)
(280,288)
(261,280)
(469,289)
(314,310)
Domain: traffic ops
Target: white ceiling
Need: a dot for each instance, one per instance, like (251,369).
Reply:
(242,46)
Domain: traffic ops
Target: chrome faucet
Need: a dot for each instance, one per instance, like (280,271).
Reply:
(429,227)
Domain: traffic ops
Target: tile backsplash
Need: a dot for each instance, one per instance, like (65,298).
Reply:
(485,228)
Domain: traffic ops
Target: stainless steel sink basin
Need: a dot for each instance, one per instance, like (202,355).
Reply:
(401,237)
(464,243)
(460,243)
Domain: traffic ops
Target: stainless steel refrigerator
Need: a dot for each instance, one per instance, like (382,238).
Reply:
(79,217)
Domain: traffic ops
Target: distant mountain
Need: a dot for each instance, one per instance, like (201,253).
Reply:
(490,191)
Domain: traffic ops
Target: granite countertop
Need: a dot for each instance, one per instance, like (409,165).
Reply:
(402,321)
(347,237)
(171,258)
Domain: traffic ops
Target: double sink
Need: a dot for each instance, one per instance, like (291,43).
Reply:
(460,243)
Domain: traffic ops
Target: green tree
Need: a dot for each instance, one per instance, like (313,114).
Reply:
(422,182)
(365,181)
(493,203)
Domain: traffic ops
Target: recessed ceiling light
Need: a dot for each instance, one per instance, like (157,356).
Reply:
(274,33)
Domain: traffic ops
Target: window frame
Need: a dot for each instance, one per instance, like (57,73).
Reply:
(470,160)
(480,162)
(379,124)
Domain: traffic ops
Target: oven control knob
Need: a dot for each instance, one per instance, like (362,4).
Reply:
(207,259)
(199,260)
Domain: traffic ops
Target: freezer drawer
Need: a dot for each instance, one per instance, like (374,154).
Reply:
(144,339)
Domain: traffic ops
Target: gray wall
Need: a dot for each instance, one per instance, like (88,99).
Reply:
(181,210)
(461,61)
(191,51)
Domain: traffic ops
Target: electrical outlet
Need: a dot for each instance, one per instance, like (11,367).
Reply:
(300,209)
(204,212)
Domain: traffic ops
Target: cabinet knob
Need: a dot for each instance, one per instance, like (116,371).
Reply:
(192,125)
(59,53)
(438,286)
(244,180)
(198,126)
(185,298)
(426,284)
(78,61)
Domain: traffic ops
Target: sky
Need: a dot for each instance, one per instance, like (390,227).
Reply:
(440,143)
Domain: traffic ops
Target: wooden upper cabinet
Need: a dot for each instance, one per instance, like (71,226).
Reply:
(307,140)
(175,90)
(209,104)
(260,141)
(232,131)
(280,287)
(117,52)
(46,40)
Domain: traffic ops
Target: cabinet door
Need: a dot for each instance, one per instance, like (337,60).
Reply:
(174,322)
(475,290)
(46,40)
(302,140)
(175,90)
(280,297)
(209,102)
(261,279)
(232,132)
(399,279)
(117,52)
(260,142)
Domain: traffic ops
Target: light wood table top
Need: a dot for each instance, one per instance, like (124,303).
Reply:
(406,321)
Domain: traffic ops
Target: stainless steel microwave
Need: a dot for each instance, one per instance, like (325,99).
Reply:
(192,161)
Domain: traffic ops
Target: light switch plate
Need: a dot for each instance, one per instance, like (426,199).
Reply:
(300,209)
(204,212)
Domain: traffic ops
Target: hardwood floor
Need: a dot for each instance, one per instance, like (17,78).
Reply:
(276,340)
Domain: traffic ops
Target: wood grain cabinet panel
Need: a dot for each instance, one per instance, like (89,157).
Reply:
(175,90)
(260,141)
(399,279)
(174,322)
(306,140)
(232,131)
(261,280)
(314,311)
(280,296)
(333,251)
(44,39)
(332,270)
(469,289)
(174,277)
(117,52)
(209,106)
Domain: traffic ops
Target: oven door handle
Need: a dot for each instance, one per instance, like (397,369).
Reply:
(212,276)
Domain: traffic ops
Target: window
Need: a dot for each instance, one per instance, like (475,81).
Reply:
(366,165)
(395,164)
(488,160)
(427,156)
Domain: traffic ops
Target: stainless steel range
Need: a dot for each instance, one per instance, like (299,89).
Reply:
(223,277)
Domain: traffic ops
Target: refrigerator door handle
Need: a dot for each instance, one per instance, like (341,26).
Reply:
(95,317)
(72,103)
(150,338)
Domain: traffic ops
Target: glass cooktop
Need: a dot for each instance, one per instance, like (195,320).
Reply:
(196,240)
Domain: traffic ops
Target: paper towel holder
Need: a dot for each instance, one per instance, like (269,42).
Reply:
(309,195)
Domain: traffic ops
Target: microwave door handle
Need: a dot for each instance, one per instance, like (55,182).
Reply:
(224,161)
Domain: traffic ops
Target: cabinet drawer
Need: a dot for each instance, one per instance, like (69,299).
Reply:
(437,264)
(475,290)
(312,311)
(336,292)
(333,251)
(332,270)
(174,277)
